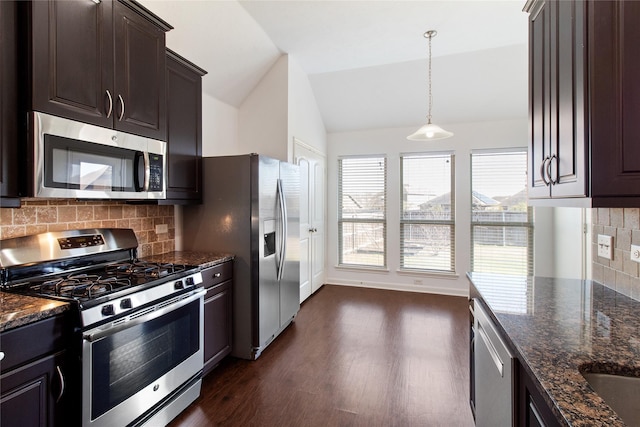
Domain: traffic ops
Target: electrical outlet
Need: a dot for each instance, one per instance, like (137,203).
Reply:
(605,246)
(635,253)
(162,228)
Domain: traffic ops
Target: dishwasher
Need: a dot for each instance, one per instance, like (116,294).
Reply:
(493,373)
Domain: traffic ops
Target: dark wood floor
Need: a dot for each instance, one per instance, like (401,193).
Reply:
(353,357)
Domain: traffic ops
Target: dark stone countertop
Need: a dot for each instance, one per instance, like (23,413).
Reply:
(17,310)
(201,259)
(561,327)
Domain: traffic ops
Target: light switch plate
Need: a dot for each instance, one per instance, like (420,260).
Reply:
(605,246)
(162,228)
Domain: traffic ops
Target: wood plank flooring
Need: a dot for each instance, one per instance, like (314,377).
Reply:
(353,357)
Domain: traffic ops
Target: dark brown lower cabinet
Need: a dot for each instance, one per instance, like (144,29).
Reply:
(218,306)
(34,394)
(39,377)
(533,411)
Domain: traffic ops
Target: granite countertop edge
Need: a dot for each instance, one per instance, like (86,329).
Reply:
(556,365)
(195,258)
(19,310)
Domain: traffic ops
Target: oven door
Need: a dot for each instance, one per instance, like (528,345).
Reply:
(77,160)
(134,363)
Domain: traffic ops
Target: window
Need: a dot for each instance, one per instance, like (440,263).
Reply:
(427,220)
(362,223)
(501,221)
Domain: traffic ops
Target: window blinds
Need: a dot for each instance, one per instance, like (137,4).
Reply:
(501,221)
(427,221)
(362,211)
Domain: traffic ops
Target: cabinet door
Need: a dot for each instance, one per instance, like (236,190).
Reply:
(72,59)
(184,131)
(569,139)
(615,98)
(559,145)
(539,100)
(533,411)
(140,62)
(9,139)
(217,324)
(34,395)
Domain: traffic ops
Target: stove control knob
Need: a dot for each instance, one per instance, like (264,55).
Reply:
(178,285)
(189,281)
(125,303)
(107,310)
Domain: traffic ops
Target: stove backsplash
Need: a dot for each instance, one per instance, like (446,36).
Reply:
(39,216)
(621,273)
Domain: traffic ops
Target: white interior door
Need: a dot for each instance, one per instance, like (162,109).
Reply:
(312,217)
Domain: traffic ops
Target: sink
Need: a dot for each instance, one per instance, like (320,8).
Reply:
(620,392)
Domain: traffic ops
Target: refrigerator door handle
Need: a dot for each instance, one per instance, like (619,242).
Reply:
(283,229)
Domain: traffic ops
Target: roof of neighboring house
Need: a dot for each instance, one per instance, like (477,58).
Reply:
(479,199)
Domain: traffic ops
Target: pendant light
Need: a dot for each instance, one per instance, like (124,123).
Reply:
(430,132)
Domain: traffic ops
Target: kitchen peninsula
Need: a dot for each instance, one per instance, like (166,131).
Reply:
(559,329)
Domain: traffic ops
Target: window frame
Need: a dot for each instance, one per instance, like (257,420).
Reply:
(528,225)
(342,220)
(451,222)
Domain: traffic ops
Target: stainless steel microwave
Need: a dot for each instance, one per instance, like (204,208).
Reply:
(82,161)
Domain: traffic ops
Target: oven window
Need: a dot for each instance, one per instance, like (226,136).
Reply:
(82,165)
(127,361)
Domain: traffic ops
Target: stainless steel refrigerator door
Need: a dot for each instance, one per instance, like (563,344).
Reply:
(268,289)
(290,265)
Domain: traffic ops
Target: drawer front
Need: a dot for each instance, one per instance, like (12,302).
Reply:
(26,343)
(217,274)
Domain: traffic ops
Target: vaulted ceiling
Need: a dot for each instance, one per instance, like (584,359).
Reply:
(366,60)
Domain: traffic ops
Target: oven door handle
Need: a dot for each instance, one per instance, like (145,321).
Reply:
(152,313)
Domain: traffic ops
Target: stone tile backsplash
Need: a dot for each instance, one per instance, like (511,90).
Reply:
(620,273)
(39,216)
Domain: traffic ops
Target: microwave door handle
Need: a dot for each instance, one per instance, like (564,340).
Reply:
(144,186)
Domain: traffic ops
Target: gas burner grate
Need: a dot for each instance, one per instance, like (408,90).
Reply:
(81,286)
(144,269)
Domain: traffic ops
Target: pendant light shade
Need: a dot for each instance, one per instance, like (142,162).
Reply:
(429,132)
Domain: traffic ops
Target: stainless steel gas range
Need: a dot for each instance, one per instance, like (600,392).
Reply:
(139,325)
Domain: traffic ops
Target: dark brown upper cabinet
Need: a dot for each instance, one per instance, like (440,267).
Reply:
(584,146)
(101,63)
(9,107)
(184,131)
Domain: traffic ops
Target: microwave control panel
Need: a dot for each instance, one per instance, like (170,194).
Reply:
(155,173)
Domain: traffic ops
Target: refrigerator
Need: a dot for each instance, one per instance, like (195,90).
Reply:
(251,209)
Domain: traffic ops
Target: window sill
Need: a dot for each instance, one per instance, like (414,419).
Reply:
(384,270)
(440,275)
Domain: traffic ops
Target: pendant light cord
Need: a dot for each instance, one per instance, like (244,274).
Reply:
(430,34)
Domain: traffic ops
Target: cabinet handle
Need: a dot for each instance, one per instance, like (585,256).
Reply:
(551,180)
(215,276)
(122,110)
(544,171)
(61,383)
(1,355)
(110,110)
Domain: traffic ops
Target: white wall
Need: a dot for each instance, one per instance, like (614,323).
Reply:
(263,119)
(305,121)
(219,127)
(393,142)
